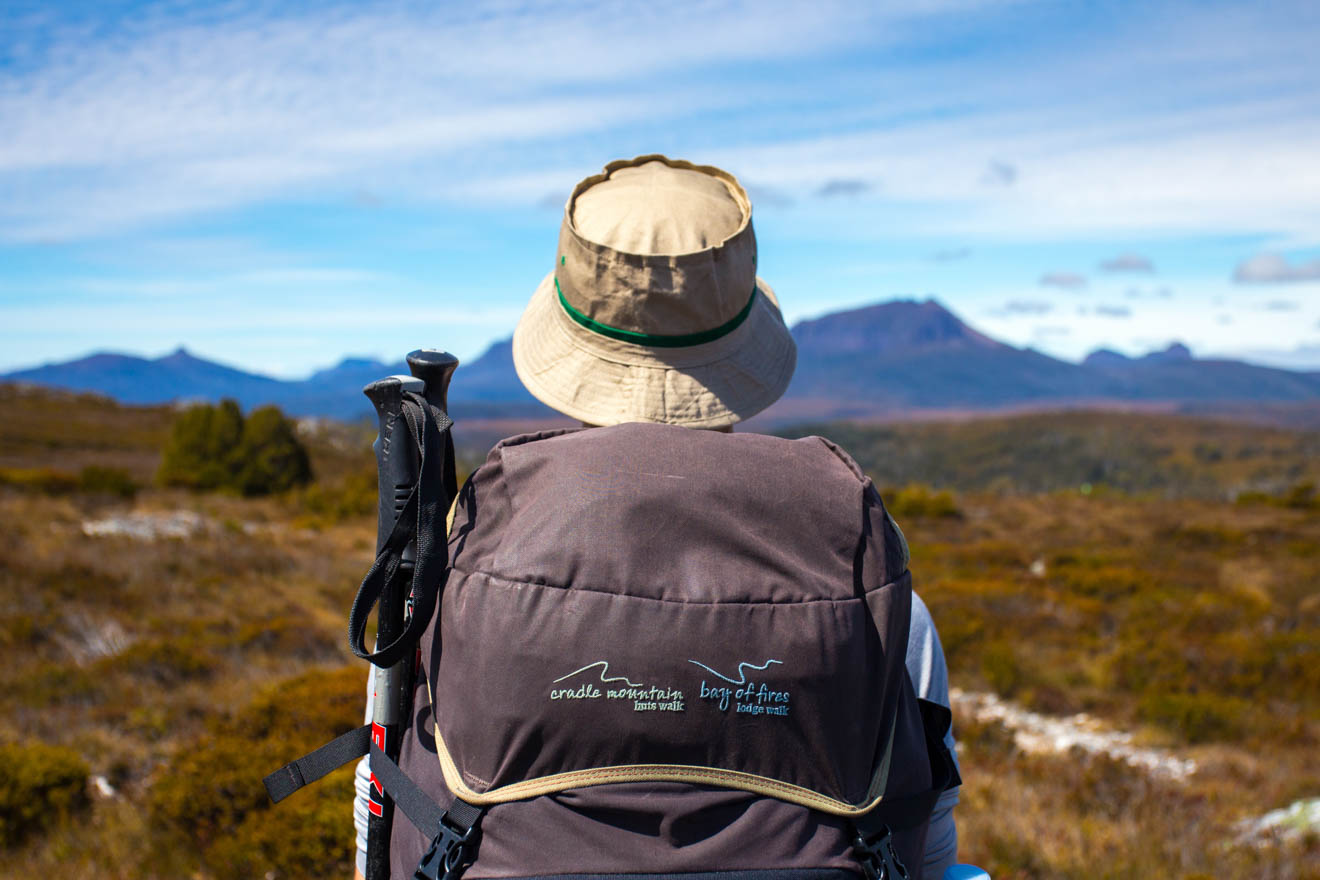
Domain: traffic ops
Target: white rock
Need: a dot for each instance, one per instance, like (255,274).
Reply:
(1036,733)
(103,787)
(146,526)
(1287,823)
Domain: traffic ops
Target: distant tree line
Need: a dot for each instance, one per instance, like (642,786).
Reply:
(215,447)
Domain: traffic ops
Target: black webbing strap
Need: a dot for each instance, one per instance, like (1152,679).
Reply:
(452,830)
(415,803)
(909,811)
(873,831)
(311,767)
(422,519)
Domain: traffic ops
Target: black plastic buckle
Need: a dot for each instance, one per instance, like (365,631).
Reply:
(876,853)
(450,853)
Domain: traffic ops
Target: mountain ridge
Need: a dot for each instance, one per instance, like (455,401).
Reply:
(876,361)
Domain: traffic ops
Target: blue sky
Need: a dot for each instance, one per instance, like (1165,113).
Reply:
(278,185)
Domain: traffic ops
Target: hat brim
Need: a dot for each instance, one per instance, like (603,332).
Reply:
(603,381)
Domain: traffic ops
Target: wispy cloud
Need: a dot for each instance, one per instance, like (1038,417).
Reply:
(999,174)
(1027,307)
(843,187)
(768,195)
(1065,280)
(180,115)
(184,110)
(1050,330)
(1148,293)
(1128,263)
(1274,269)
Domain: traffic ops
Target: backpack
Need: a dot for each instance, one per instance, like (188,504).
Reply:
(663,652)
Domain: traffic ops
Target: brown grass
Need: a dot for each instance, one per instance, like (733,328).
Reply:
(1195,623)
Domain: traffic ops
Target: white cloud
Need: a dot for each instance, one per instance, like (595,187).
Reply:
(1301,357)
(1128,263)
(1027,307)
(192,111)
(1273,268)
(999,174)
(1154,323)
(184,115)
(843,187)
(1065,280)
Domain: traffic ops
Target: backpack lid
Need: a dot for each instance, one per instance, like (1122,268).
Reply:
(649,602)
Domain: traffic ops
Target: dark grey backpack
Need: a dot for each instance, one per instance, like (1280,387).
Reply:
(660,651)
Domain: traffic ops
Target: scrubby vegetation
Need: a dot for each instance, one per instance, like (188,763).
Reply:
(209,800)
(1134,453)
(91,480)
(181,670)
(215,447)
(40,787)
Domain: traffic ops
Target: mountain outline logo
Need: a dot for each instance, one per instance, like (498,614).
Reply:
(742,670)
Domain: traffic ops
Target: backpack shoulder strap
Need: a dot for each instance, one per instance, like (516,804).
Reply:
(872,832)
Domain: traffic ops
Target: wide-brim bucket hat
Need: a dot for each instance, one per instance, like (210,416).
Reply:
(653,311)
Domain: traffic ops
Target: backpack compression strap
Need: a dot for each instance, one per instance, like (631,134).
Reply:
(318,764)
(453,830)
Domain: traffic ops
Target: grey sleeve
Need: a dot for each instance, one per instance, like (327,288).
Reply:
(362,788)
(930,678)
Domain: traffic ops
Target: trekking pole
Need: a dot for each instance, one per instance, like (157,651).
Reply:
(397,457)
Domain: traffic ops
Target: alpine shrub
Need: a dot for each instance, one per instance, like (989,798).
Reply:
(269,457)
(41,481)
(921,501)
(209,798)
(214,447)
(40,785)
(107,481)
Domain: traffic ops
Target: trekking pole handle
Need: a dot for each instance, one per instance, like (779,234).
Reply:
(396,468)
(397,463)
(396,457)
(435,368)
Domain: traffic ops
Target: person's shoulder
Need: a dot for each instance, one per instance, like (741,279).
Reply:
(922,637)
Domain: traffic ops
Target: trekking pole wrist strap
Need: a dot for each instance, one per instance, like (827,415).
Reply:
(420,520)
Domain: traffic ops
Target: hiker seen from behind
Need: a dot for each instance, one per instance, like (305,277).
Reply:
(660,650)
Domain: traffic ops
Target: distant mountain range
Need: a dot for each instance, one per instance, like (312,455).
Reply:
(910,357)
(894,359)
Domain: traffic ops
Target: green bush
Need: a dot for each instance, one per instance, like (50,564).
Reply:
(1301,497)
(40,786)
(210,798)
(306,836)
(921,501)
(999,665)
(107,481)
(350,497)
(270,457)
(214,447)
(1198,718)
(43,481)
(199,453)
